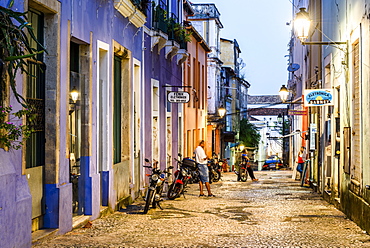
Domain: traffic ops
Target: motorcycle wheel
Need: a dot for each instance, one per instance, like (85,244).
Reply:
(174,191)
(148,200)
(210,177)
(217,176)
(195,178)
(243,175)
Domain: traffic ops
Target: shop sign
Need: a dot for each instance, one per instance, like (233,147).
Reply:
(318,97)
(297,112)
(178,97)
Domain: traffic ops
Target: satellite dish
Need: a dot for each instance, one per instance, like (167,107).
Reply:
(293,67)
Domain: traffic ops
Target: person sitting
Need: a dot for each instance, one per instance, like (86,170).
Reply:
(246,160)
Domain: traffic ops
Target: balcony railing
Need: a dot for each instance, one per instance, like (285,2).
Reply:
(177,31)
(173,24)
(160,16)
(142,5)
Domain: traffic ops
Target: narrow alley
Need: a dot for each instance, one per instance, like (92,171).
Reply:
(272,212)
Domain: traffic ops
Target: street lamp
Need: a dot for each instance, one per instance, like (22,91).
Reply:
(302,24)
(74,94)
(221,111)
(280,118)
(283,93)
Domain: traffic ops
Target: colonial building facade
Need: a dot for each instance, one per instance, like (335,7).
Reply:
(86,154)
(335,57)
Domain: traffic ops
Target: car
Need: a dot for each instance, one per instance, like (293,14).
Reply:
(272,163)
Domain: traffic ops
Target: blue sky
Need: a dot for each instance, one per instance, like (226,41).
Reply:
(259,26)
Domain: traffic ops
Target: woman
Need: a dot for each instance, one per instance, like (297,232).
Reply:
(245,159)
(301,158)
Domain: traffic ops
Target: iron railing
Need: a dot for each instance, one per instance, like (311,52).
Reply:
(142,5)
(160,16)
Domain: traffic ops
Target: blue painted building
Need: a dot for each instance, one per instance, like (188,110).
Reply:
(87,153)
(164,54)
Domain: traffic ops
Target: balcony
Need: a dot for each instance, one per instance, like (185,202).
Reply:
(178,32)
(142,5)
(160,16)
(205,11)
(128,8)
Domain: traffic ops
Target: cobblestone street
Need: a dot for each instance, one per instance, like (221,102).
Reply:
(272,212)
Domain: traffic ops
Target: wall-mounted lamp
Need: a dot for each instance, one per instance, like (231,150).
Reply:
(283,93)
(74,94)
(221,111)
(302,24)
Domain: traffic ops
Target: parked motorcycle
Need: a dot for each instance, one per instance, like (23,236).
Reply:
(182,177)
(194,176)
(156,182)
(214,171)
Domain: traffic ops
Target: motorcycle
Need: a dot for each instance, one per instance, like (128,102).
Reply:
(214,171)
(194,176)
(242,172)
(156,182)
(181,180)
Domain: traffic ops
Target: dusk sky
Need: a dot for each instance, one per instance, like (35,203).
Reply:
(262,33)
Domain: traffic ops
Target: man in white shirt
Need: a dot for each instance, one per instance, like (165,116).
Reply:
(202,160)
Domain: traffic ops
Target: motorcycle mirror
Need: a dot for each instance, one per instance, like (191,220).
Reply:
(179,154)
(147,160)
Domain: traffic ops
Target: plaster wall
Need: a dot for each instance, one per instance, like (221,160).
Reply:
(227,53)
(195,115)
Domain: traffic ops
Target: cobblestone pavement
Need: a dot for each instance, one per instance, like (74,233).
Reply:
(273,212)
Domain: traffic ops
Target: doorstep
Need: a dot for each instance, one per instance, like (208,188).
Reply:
(77,222)
(42,234)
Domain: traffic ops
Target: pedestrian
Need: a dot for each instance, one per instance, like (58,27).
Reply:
(301,158)
(246,160)
(202,160)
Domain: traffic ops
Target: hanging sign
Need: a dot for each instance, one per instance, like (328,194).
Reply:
(297,112)
(313,131)
(178,97)
(319,97)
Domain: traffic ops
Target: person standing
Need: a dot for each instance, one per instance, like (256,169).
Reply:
(301,158)
(202,160)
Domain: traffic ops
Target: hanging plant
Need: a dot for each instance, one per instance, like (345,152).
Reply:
(15,51)
(177,31)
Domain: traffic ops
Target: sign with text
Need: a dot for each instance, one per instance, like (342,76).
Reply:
(313,131)
(297,112)
(319,97)
(178,97)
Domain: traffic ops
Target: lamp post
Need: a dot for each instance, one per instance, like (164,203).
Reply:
(281,120)
(221,112)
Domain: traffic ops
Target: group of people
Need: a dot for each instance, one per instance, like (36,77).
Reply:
(202,160)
